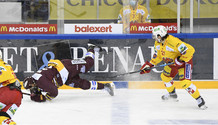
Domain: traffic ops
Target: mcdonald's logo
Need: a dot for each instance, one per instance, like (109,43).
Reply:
(133,28)
(52,29)
(4,29)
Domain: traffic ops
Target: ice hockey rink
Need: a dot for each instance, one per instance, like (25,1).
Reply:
(127,107)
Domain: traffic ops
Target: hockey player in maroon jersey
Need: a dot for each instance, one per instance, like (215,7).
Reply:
(10,93)
(66,71)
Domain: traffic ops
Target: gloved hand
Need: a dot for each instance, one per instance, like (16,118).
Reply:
(35,90)
(178,63)
(146,68)
(37,97)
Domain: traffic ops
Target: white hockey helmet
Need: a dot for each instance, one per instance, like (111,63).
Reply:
(159,31)
(0,54)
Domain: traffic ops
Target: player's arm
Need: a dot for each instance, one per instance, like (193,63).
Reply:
(36,95)
(186,52)
(156,56)
(146,68)
(4,74)
(93,50)
(120,17)
(146,16)
(35,92)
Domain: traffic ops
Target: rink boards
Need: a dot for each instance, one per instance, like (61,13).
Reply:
(122,54)
(155,84)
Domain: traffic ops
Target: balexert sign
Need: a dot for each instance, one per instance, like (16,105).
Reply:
(28,28)
(93,28)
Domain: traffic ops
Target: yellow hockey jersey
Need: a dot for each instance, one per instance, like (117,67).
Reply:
(7,75)
(138,15)
(170,50)
(129,15)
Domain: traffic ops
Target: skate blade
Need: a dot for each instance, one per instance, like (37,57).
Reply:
(203,107)
(171,100)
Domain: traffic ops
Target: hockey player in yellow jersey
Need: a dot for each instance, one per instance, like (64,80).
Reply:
(133,13)
(172,50)
(10,93)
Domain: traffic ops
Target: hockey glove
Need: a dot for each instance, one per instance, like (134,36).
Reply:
(35,91)
(146,68)
(38,98)
(178,62)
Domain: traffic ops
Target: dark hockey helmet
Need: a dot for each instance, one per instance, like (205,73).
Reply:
(28,83)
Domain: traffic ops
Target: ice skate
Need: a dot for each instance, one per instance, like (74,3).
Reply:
(201,103)
(170,96)
(110,87)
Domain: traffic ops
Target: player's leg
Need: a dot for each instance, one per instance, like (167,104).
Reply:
(185,81)
(84,84)
(49,86)
(167,77)
(10,100)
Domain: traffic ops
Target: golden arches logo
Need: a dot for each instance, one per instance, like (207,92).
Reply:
(133,28)
(52,29)
(4,29)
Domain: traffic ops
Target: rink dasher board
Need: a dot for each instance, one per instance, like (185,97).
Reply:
(153,85)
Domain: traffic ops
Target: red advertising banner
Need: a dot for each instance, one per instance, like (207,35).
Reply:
(148,27)
(28,28)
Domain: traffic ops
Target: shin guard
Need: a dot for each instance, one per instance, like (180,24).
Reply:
(190,88)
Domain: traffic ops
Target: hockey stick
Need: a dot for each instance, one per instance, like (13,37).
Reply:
(25,93)
(167,64)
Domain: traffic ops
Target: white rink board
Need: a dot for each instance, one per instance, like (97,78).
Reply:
(215,58)
(128,107)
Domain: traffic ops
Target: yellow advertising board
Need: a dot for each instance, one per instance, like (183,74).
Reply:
(109,9)
(87,9)
(167,9)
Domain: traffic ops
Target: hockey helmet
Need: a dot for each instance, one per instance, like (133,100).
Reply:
(28,83)
(133,3)
(159,31)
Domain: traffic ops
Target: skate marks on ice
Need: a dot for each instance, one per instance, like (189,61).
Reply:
(127,107)
(183,122)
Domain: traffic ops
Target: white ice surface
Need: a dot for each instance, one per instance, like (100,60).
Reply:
(127,107)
